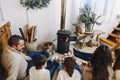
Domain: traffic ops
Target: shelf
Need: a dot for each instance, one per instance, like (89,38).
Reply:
(117,28)
(108,41)
(113,35)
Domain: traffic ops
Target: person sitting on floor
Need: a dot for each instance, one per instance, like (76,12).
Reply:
(51,64)
(38,72)
(13,60)
(100,67)
(69,72)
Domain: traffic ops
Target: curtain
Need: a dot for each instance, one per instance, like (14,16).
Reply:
(1,12)
(108,9)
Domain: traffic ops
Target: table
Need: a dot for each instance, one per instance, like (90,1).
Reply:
(92,37)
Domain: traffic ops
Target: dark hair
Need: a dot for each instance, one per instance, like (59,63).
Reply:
(39,61)
(14,40)
(117,62)
(69,64)
(100,61)
(117,52)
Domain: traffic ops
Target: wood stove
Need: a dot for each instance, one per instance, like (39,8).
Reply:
(63,41)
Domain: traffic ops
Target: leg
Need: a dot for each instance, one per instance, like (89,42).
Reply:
(83,44)
(78,67)
(49,64)
(82,55)
(52,66)
(60,67)
(30,64)
(89,43)
(33,54)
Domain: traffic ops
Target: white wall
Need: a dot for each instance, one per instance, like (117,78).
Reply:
(46,19)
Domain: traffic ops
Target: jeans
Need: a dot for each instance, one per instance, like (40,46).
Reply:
(32,55)
(60,67)
(82,55)
(78,67)
(52,66)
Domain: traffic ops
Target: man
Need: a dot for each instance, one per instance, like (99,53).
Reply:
(13,60)
(117,41)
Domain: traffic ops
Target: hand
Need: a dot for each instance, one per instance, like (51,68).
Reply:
(85,65)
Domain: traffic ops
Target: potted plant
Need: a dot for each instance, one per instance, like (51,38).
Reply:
(35,3)
(30,32)
(89,18)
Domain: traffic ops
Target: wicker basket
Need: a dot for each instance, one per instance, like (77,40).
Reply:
(31,46)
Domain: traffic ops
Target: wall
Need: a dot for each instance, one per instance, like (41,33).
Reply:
(47,20)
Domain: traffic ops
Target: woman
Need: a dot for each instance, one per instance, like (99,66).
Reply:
(100,67)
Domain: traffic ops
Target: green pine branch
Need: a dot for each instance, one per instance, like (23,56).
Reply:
(32,4)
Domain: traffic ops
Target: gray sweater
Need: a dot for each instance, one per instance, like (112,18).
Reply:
(14,63)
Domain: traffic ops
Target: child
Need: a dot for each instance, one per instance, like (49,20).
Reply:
(69,72)
(38,72)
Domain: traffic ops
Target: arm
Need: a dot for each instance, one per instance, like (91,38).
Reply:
(117,75)
(77,75)
(48,76)
(60,67)
(87,75)
(13,70)
(26,57)
(58,77)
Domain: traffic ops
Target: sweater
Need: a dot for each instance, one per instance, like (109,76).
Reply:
(14,63)
(63,75)
(41,74)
